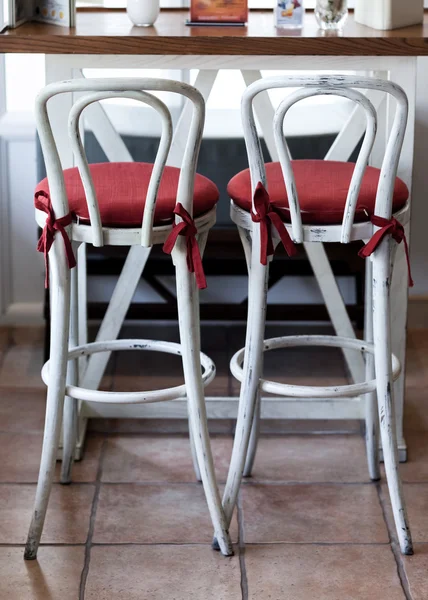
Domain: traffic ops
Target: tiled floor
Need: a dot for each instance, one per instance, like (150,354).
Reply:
(134,524)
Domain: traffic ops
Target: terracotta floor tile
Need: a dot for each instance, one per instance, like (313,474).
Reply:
(153,514)
(158,458)
(160,572)
(54,575)
(334,458)
(21,458)
(416,467)
(301,572)
(67,519)
(23,360)
(313,426)
(416,495)
(156,426)
(313,513)
(416,568)
(417,357)
(22,410)
(415,409)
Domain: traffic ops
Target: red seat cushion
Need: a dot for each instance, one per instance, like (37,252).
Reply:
(121,190)
(322,188)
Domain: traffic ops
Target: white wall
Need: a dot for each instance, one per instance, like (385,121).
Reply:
(419,240)
(21,268)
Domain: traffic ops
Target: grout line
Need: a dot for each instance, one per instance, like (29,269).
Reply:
(241,545)
(247,484)
(395,547)
(88,544)
(204,544)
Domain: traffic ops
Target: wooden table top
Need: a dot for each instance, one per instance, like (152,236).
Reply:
(111,32)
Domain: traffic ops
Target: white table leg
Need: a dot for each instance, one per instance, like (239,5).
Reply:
(59,108)
(204,83)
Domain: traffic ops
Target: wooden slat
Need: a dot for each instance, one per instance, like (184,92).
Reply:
(109,32)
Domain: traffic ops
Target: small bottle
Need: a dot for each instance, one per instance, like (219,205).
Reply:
(289,14)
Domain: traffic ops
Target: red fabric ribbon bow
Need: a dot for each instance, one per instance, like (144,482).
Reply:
(187,228)
(266,216)
(52,225)
(393,227)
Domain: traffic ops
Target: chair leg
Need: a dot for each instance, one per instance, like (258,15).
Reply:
(385,390)
(69,420)
(246,240)
(202,241)
(372,417)
(253,362)
(60,282)
(188,312)
(254,439)
(195,463)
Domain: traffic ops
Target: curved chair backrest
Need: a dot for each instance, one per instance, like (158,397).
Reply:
(336,85)
(136,89)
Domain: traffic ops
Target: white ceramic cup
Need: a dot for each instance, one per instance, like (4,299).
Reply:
(143,13)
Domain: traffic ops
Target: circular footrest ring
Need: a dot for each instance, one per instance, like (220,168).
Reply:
(309,392)
(171,393)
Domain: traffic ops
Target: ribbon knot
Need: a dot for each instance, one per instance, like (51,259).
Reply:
(187,228)
(42,202)
(266,216)
(387,226)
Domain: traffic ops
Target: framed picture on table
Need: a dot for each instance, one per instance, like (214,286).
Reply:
(218,12)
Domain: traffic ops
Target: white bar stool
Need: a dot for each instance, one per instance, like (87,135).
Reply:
(123,204)
(321,201)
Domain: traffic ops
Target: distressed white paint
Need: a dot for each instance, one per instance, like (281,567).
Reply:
(401,70)
(55,370)
(387,367)
(317,256)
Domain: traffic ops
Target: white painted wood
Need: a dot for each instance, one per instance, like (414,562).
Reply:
(253,366)
(226,407)
(204,83)
(54,371)
(404,73)
(387,367)
(82,163)
(385,390)
(108,138)
(216,62)
(360,166)
(60,282)
(306,391)
(264,112)
(132,236)
(70,416)
(188,318)
(202,241)
(371,416)
(316,255)
(353,130)
(245,235)
(91,395)
(82,304)
(118,307)
(335,306)
(59,108)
